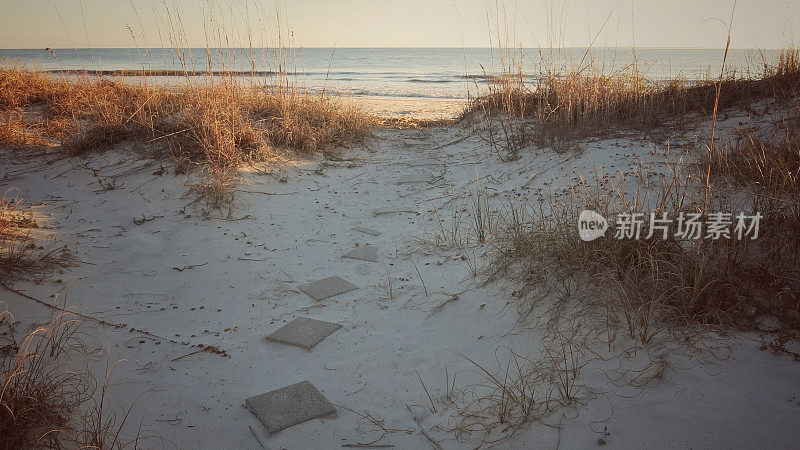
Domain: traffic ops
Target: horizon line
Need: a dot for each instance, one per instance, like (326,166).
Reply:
(402,48)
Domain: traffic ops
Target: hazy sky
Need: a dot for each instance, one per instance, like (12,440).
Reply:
(391,23)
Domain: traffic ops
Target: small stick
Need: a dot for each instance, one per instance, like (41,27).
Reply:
(265,193)
(118,326)
(255,436)
(420,279)
(188,354)
(190,266)
(430,439)
(433,406)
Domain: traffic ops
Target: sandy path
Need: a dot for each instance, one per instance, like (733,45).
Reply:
(154,264)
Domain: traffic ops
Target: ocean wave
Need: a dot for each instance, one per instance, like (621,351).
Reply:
(422,80)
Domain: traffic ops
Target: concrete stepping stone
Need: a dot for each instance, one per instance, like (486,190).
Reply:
(288,406)
(423,162)
(326,288)
(363,253)
(413,179)
(391,210)
(366,230)
(304,332)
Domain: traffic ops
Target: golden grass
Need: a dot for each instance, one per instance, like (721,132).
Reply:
(225,121)
(218,124)
(222,124)
(18,133)
(560,106)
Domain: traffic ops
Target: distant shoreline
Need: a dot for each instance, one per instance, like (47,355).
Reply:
(201,73)
(163,72)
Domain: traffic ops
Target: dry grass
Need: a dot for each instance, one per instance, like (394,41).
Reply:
(635,293)
(560,106)
(44,401)
(641,293)
(219,123)
(764,165)
(21,255)
(521,390)
(225,122)
(644,286)
(38,396)
(18,133)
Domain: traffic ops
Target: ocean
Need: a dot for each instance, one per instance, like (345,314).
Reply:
(401,74)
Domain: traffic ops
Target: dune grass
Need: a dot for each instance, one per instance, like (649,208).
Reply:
(46,400)
(653,296)
(217,124)
(42,398)
(559,106)
(642,284)
(220,122)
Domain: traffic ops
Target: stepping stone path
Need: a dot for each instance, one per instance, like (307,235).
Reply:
(304,332)
(366,230)
(301,402)
(289,406)
(413,179)
(326,288)
(391,210)
(363,253)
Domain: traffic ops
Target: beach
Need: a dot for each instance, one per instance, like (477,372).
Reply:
(433,235)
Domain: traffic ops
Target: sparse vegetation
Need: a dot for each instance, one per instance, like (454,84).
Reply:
(637,292)
(21,254)
(579,296)
(45,402)
(559,106)
(644,284)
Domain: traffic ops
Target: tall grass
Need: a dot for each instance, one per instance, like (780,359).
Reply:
(672,281)
(558,106)
(45,400)
(224,122)
(218,126)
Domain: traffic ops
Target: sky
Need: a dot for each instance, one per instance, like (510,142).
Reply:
(765,24)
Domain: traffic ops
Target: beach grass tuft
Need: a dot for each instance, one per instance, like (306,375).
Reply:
(22,255)
(46,401)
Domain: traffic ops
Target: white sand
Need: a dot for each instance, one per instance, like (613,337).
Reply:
(291,233)
(411,107)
